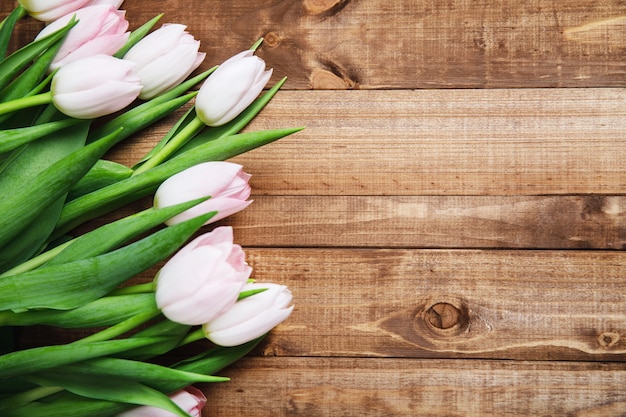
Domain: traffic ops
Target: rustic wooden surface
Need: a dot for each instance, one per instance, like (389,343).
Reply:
(453,218)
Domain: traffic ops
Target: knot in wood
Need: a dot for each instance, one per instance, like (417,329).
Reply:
(608,339)
(271,39)
(443,316)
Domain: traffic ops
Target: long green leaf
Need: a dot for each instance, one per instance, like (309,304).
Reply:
(144,372)
(109,388)
(76,283)
(13,138)
(105,311)
(19,173)
(17,61)
(112,235)
(6,28)
(37,359)
(57,405)
(112,197)
(103,173)
(48,186)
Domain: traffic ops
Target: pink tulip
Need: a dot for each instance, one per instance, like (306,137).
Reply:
(101,29)
(224,182)
(203,279)
(231,88)
(164,59)
(51,10)
(251,317)
(94,87)
(189,399)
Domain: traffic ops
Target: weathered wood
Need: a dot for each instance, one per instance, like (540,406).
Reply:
(547,222)
(415,44)
(332,44)
(373,387)
(436,142)
(438,303)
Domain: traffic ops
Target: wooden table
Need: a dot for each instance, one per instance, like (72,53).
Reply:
(451,221)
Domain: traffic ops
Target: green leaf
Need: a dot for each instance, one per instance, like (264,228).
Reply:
(6,28)
(102,174)
(109,388)
(112,235)
(56,406)
(73,284)
(17,61)
(144,372)
(37,359)
(13,138)
(19,173)
(117,195)
(26,203)
(137,35)
(105,311)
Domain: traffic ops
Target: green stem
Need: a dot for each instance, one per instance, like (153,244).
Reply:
(194,336)
(122,327)
(25,102)
(184,136)
(148,287)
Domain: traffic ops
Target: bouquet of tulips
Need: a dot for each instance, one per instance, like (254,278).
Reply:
(83,85)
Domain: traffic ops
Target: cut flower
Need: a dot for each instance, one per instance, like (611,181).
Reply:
(203,280)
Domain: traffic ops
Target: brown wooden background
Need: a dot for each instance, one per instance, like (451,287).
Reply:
(451,222)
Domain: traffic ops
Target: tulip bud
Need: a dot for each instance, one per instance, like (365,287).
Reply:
(231,88)
(101,29)
(94,87)
(203,279)
(224,182)
(251,317)
(189,399)
(164,59)
(51,10)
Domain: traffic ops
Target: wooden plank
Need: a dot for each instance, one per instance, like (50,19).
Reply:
(332,44)
(531,305)
(329,387)
(547,222)
(369,44)
(436,142)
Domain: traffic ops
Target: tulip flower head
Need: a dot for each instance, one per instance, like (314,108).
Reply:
(203,280)
(94,87)
(101,29)
(51,10)
(251,317)
(190,399)
(231,88)
(224,182)
(164,59)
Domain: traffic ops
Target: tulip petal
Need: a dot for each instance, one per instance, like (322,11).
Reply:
(250,329)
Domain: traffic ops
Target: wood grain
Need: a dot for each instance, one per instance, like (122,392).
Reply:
(546,222)
(406,44)
(550,305)
(454,231)
(333,44)
(437,142)
(330,387)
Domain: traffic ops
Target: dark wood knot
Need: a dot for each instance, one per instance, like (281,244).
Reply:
(449,318)
(443,316)
(608,339)
(271,39)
